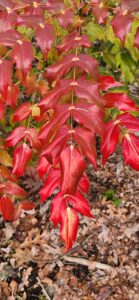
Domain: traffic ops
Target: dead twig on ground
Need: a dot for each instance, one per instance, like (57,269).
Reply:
(43,289)
(90,264)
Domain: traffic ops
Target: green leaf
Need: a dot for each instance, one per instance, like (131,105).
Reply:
(95,32)
(60,31)
(129,43)
(109,58)
(24,30)
(118,59)
(110,194)
(128,68)
(117,202)
(67,3)
(116,48)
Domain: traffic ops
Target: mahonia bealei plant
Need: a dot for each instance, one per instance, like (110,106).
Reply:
(56,102)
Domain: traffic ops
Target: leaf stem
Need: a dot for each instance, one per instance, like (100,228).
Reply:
(72,97)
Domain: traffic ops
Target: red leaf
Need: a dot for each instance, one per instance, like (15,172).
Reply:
(54,5)
(100,11)
(22,155)
(22,112)
(32,137)
(5,75)
(15,136)
(2,188)
(12,95)
(130,150)
(14,189)
(57,205)
(2,109)
(7,20)
(72,167)
(9,38)
(111,138)
(128,121)
(80,204)
(17,212)
(54,149)
(6,208)
(65,18)
(21,132)
(5,4)
(83,61)
(61,88)
(45,37)
(34,8)
(73,40)
(29,21)
(26,205)
(87,142)
(69,226)
(61,114)
(43,166)
(130,5)
(88,90)
(107,82)
(121,24)
(84,184)
(136,41)
(23,55)
(84,89)
(120,101)
(51,183)
(90,116)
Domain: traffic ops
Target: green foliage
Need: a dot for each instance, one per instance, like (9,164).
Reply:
(124,59)
(111,195)
(24,30)
(95,31)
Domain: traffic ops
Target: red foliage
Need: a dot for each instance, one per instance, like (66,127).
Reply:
(69,116)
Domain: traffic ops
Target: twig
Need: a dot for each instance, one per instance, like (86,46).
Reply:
(90,264)
(44,291)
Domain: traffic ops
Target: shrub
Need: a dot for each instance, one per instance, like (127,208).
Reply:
(65,68)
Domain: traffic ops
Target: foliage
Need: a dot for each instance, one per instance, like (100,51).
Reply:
(110,195)
(59,92)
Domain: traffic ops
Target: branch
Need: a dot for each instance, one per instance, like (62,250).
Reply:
(90,264)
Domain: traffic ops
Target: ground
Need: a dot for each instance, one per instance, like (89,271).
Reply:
(103,263)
